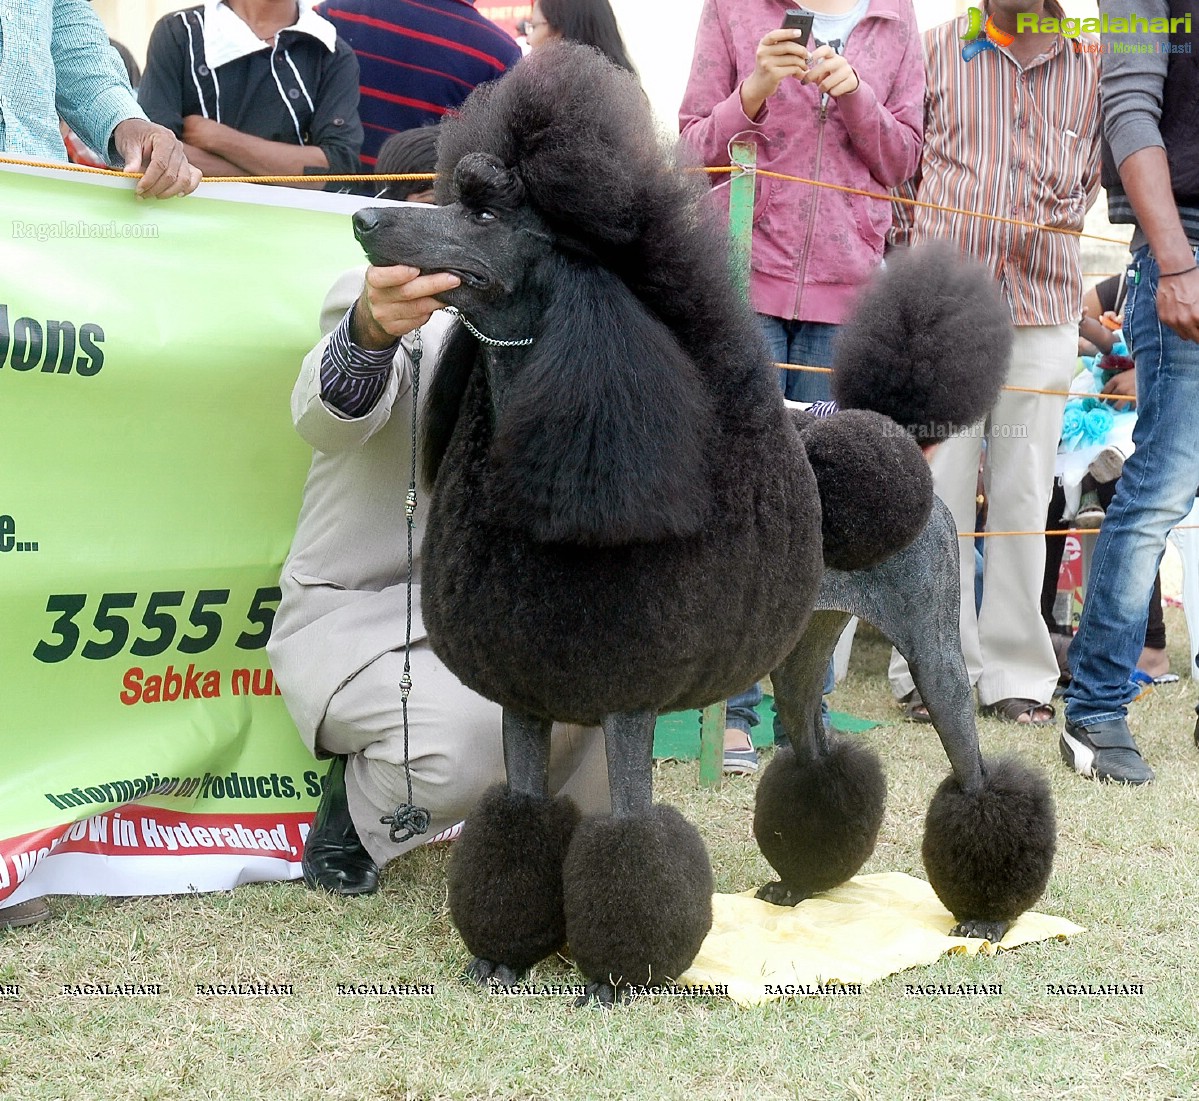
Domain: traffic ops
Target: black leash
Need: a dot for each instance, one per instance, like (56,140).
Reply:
(407,820)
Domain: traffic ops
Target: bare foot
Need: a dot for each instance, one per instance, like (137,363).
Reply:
(735,738)
(1153,661)
(1038,715)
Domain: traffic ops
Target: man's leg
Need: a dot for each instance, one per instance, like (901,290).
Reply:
(1155,491)
(455,751)
(1018,661)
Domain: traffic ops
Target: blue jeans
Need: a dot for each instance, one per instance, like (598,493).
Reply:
(741,710)
(807,342)
(1156,490)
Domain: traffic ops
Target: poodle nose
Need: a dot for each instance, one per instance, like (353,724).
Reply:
(366,222)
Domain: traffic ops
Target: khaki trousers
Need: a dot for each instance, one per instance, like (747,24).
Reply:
(1006,644)
(455,749)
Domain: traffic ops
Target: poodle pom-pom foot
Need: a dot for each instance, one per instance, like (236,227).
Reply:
(817,821)
(638,899)
(988,854)
(505,882)
(876,490)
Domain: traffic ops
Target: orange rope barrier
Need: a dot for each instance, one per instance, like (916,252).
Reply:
(371,177)
(889,198)
(1060,531)
(406,176)
(1013,389)
(356,177)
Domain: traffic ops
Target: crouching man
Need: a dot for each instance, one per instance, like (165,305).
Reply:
(337,647)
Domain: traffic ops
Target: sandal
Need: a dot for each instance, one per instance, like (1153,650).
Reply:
(1011,710)
(913,708)
(1090,512)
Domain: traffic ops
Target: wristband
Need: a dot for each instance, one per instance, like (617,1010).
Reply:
(1171,274)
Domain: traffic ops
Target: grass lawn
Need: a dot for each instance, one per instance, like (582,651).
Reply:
(1127,865)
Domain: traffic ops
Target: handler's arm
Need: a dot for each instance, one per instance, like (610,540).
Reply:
(346,387)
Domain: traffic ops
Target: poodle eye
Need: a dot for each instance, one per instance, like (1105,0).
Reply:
(482,216)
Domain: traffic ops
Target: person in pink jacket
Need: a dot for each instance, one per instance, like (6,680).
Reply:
(847,109)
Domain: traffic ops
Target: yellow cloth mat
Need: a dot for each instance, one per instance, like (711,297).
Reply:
(860,932)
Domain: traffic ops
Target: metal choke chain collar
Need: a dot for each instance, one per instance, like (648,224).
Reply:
(489,340)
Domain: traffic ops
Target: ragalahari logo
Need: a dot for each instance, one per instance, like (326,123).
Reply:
(992,35)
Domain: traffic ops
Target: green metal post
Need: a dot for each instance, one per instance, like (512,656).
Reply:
(741,221)
(741,212)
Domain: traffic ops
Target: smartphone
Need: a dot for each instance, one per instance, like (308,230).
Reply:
(796,20)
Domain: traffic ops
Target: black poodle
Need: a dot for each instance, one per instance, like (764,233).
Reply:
(626,520)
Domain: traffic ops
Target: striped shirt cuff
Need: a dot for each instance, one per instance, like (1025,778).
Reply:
(353,378)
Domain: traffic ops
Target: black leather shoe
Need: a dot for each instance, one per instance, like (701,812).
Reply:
(334,859)
(1104,751)
(24,913)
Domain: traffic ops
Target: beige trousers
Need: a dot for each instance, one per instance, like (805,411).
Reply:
(1006,644)
(455,749)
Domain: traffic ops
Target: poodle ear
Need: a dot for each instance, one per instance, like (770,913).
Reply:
(444,399)
(601,433)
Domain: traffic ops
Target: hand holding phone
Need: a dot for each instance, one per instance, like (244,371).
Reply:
(796,19)
(779,55)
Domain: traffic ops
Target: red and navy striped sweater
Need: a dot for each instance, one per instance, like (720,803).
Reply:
(419,59)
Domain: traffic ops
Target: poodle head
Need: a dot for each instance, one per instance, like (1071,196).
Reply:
(579,134)
(490,237)
(549,182)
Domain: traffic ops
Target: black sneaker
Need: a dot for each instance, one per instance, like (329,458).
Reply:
(1104,751)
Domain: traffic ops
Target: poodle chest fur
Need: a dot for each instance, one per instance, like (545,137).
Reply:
(574,632)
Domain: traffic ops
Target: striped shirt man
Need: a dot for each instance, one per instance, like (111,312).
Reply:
(419,60)
(1019,142)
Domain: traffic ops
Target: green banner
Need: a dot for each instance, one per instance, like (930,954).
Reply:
(150,479)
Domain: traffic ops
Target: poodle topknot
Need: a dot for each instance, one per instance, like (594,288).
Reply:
(580,135)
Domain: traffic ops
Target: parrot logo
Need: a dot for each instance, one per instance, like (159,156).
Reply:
(992,36)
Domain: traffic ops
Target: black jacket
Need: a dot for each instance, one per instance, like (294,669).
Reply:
(297,91)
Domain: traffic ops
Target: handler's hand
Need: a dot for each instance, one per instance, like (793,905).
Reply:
(830,72)
(779,56)
(394,302)
(1123,383)
(1178,304)
(167,170)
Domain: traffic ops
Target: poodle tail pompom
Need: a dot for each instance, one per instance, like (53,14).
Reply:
(876,490)
(927,344)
